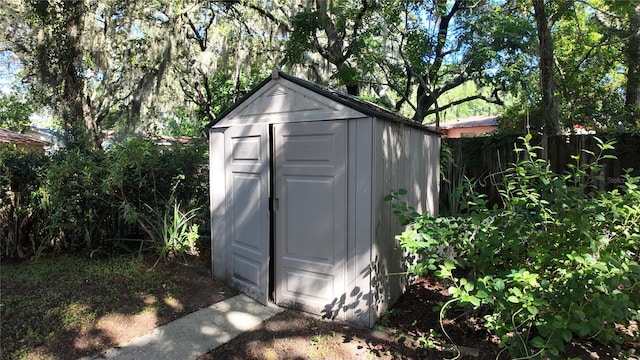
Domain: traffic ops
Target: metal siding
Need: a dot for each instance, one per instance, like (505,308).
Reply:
(405,158)
(393,256)
(434,178)
(424,171)
(376,211)
(425,154)
(351,264)
(386,160)
(417,162)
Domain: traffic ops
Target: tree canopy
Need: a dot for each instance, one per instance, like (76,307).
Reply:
(172,66)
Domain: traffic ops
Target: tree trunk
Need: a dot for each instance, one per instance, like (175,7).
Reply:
(549,105)
(632,52)
(73,98)
(424,101)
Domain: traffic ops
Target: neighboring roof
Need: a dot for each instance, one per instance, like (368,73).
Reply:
(351,101)
(472,121)
(14,137)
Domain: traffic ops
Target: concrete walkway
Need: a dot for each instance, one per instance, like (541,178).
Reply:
(195,334)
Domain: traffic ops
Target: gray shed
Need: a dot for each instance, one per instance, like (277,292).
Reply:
(298,178)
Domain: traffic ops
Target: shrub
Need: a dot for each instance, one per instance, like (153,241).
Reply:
(81,215)
(22,218)
(161,192)
(83,201)
(558,261)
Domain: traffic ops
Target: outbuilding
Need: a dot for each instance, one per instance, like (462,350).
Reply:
(299,174)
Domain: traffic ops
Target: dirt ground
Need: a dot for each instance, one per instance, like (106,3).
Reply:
(409,330)
(129,318)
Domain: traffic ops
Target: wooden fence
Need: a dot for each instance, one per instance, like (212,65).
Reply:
(477,158)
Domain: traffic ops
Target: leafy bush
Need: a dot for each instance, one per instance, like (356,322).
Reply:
(163,192)
(22,217)
(83,201)
(81,215)
(559,261)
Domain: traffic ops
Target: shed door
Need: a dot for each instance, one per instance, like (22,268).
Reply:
(247,178)
(310,205)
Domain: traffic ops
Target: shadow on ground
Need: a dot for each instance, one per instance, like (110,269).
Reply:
(65,308)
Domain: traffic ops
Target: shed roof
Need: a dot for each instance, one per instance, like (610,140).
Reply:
(351,101)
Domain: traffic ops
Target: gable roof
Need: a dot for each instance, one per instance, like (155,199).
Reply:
(14,137)
(346,100)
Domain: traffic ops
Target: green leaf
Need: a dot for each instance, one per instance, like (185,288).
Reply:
(566,335)
(513,299)
(469,286)
(543,329)
(537,342)
(449,265)
(443,272)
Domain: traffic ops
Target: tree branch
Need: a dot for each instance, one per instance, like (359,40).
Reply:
(356,27)
(495,100)
(443,30)
(267,15)
(564,7)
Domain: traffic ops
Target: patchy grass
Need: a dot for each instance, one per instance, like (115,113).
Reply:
(66,307)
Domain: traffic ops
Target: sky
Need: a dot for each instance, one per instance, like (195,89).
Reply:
(9,68)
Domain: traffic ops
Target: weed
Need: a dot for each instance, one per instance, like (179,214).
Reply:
(429,341)
(385,318)
(324,344)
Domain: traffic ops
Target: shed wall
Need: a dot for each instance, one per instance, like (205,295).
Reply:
(407,158)
(359,222)
(382,156)
(217,195)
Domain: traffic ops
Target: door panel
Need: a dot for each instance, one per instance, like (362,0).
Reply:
(247,181)
(310,236)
